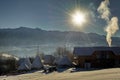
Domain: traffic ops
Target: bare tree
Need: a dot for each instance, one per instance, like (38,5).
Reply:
(62,51)
(42,55)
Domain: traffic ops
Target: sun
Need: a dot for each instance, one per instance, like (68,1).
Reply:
(78,18)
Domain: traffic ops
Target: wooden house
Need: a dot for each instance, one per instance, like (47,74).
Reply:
(97,57)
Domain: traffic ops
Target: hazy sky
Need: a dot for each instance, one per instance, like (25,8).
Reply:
(54,14)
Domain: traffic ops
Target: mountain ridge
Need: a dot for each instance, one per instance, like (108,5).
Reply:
(37,36)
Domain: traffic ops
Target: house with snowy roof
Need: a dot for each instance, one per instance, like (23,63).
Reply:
(25,65)
(97,57)
(37,64)
(49,59)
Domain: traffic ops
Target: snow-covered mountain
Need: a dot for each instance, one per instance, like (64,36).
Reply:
(47,40)
(29,36)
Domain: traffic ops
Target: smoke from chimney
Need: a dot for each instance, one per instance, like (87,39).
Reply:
(111,29)
(112,25)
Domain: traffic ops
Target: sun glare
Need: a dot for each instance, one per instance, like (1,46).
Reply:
(78,18)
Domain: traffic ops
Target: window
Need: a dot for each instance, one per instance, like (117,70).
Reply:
(98,56)
(107,56)
(102,56)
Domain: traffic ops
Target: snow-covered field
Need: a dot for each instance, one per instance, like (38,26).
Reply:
(105,74)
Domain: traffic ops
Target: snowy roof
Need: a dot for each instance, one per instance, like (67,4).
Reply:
(37,64)
(64,61)
(25,65)
(8,56)
(90,50)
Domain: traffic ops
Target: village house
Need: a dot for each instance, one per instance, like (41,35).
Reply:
(97,57)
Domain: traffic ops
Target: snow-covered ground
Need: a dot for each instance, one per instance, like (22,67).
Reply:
(105,74)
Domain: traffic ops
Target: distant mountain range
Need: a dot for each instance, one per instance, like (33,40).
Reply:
(37,36)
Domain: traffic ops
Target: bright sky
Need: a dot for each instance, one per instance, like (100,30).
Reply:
(54,14)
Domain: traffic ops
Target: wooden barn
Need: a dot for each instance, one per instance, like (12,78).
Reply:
(97,57)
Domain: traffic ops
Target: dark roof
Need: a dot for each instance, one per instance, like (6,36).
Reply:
(90,50)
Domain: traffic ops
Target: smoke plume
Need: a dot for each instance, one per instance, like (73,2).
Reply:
(112,25)
(111,29)
(104,10)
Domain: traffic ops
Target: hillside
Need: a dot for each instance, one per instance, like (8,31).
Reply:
(105,74)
